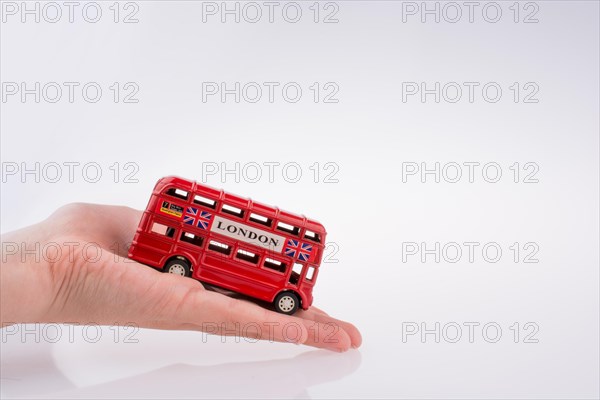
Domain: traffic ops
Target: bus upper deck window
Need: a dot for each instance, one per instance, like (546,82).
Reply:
(310,235)
(233,210)
(259,219)
(282,226)
(203,201)
(179,193)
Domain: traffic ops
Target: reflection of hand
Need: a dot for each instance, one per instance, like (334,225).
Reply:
(71,268)
(289,378)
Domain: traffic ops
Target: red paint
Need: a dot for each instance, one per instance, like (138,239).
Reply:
(198,210)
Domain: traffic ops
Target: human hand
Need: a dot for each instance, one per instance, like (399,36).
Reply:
(72,268)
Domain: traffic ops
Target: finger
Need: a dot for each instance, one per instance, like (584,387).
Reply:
(130,293)
(318,310)
(182,304)
(324,319)
(168,301)
(226,316)
(327,336)
(246,319)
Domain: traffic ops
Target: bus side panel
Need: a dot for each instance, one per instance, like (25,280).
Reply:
(249,280)
(191,252)
(306,293)
(151,250)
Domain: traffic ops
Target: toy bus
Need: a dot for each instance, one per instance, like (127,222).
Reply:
(228,241)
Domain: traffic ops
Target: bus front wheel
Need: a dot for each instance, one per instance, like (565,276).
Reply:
(287,303)
(178,266)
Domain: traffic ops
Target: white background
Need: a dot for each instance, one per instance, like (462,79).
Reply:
(360,197)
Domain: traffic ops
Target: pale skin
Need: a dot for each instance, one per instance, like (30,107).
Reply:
(79,273)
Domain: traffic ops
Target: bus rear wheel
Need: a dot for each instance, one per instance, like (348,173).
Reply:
(178,266)
(286,303)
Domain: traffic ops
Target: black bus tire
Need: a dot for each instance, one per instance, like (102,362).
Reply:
(178,266)
(287,303)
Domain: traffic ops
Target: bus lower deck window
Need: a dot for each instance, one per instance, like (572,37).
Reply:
(162,230)
(219,247)
(295,275)
(191,238)
(310,273)
(274,265)
(247,256)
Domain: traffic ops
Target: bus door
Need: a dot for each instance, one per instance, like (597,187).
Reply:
(159,240)
(302,275)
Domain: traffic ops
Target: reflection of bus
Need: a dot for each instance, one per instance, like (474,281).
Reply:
(232,242)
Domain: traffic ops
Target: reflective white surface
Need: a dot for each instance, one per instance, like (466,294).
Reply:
(164,365)
(547,312)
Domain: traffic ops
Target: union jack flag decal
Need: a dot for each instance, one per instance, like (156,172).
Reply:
(294,246)
(196,217)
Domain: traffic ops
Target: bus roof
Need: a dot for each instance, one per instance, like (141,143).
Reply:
(241,202)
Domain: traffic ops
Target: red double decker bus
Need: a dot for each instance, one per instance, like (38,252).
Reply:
(232,242)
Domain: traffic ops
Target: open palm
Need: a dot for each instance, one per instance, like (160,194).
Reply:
(72,267)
